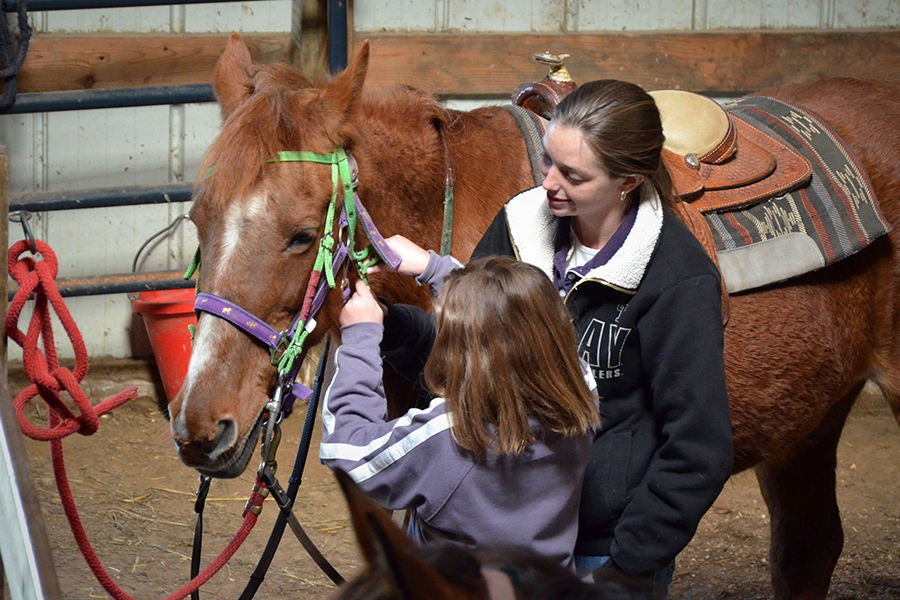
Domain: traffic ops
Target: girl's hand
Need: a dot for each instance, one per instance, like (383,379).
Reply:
(362,307)
(414,258)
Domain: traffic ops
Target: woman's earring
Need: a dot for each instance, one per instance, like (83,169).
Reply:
(624,196)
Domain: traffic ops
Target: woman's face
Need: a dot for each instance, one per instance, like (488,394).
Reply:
(577,184)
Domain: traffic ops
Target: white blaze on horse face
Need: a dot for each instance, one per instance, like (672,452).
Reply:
(209,336)
(238,217)
(213,332)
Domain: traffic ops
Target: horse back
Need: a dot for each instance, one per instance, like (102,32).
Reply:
(797,348)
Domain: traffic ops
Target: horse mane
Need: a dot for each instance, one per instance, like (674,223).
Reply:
(284,111)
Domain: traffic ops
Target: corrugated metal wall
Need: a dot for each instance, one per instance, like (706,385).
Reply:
(98,148)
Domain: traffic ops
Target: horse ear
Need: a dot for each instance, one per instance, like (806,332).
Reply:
(387,549)
(232,79)
(341,96)
(363,513)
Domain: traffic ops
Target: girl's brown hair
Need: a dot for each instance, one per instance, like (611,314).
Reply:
(506,350)
(621,124)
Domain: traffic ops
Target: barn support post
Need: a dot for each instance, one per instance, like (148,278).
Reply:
(24,547)
(309,34)
(338,36)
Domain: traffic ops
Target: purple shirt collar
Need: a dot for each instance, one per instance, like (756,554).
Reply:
(563,244)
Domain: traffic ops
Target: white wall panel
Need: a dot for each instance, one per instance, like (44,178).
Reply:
(483,16)
(144,20)
(202,124)
(767,14)
(866,13)
(631,15)
(271,15)
(108,147)
(397,15)
(734,14)
(17,133)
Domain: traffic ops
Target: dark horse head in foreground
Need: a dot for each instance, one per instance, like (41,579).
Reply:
(397,569)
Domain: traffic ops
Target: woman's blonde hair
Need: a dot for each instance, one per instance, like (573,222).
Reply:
(505,350)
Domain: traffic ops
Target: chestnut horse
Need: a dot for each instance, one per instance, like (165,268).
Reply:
(797,354)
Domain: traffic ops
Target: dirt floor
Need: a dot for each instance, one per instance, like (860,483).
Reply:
(136,502)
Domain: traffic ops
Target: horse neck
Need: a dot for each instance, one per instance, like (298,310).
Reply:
(403,165)
(406,152)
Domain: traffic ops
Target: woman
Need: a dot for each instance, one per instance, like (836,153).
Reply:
(645,299)
(499,455)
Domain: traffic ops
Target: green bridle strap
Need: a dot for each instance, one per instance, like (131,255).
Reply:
(194,266)
(340,177)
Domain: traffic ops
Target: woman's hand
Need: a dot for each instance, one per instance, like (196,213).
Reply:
(414,259)
(362,307)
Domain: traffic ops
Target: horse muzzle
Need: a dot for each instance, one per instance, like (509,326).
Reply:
(222,457)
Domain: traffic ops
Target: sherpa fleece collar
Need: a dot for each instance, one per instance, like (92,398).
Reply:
(532,228)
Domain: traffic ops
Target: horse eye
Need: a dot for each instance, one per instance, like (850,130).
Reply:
(302,239)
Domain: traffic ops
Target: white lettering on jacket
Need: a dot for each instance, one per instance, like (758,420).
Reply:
(601,347)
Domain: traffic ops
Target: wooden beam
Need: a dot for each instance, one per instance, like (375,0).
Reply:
(62,62)
(726,63)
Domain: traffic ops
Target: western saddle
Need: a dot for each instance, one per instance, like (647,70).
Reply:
(718,162)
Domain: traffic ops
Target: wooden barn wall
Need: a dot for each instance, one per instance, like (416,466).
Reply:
(411,41)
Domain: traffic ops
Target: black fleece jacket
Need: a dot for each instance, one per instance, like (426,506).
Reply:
(649,324)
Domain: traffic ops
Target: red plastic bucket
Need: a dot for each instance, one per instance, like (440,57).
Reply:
(167,314)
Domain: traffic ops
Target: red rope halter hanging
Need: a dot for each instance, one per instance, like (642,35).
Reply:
(42,368)
(49,380)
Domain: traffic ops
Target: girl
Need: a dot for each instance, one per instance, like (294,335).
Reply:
(499,455)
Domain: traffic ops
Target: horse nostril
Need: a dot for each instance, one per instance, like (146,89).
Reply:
(225,439)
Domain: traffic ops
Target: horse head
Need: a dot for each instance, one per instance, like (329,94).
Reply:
(392,568)
(397,569)
(259,221)
(263,208)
